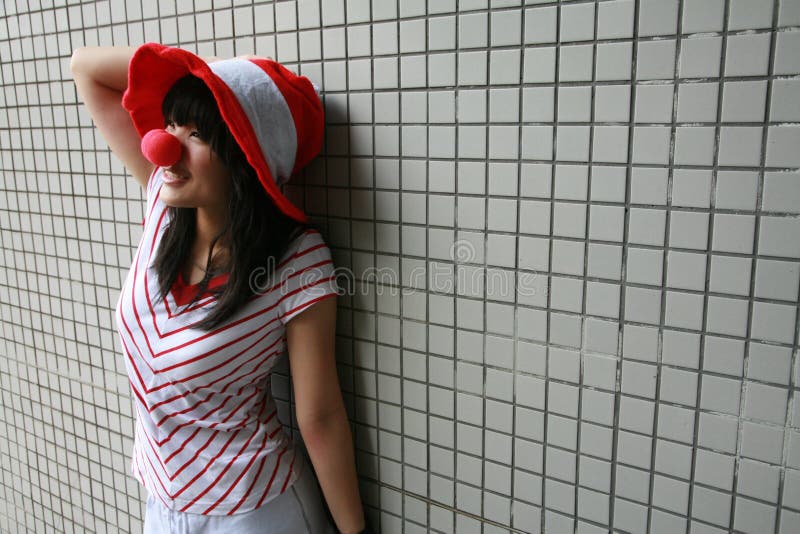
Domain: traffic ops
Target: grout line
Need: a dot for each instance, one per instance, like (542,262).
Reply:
(656,401)
(709,240)
(623,275)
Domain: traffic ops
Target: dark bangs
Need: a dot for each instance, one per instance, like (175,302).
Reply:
(190,101)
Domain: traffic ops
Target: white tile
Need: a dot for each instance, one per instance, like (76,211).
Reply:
(540,25)
(788,13)
(786,60)
(473,30)
(777,279)
(612,102)
(503,142)
(711,506)
(697,102)
(744,101)
(684,310)
(615,19)
(610,144)
(655,60)
(675,423)
(733,233)
(752,516)
(730,275)
(577,22)
(781,144)
(533,253)
(671,494)
(568,257)
(442,33)
(658,17)
(686,270)
(506,28)
(646,226)
(571,182)
(694,145)
(736,190)
(504,67)
(565,330)
(569,220)
(537,142)
(781,192)
(727,316)
(538,104)
(472,68)
(769,363)
(504,105)
(651,144)
(594,506)
(575,63)
(702,15)
(604,261)
(574,104)
(534,217)
(773,322)
(645,266)
(539,65)
(691,188)
(766,403)
(471,141)
(606,223)
(688,229)
(747,55)
(613,61)
(630,516)
(642,305)
(608,183)
(775,237)
(740,145)
(503,179)
(749,14)
(654,103)
(700,57)
(783,106)
(602,299)
(762,442)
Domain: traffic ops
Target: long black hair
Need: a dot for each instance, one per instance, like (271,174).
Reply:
(256,232)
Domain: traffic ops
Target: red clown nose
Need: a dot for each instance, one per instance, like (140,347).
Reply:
(161,147)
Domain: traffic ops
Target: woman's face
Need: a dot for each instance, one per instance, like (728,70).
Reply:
(199,179)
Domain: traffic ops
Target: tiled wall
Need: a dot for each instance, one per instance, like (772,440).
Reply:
(575,234)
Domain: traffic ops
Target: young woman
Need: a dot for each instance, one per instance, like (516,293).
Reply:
(226,278)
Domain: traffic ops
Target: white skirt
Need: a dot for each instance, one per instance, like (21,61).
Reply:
(298,510)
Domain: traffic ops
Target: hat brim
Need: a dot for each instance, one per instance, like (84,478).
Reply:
(154,69)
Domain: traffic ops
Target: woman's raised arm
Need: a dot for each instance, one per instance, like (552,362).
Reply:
(101,76)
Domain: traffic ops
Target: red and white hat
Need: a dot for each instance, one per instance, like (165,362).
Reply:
(274,115)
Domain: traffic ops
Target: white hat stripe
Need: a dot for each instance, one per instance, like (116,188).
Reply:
(267,111)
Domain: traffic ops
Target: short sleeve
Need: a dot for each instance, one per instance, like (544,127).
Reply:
(307,276)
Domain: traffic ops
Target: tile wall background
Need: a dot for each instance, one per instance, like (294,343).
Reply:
(575,237)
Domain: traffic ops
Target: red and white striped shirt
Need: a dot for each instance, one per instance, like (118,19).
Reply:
(208,439)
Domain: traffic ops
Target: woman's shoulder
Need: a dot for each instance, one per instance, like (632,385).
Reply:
(306,241)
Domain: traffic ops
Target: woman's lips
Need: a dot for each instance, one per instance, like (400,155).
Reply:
(172,178)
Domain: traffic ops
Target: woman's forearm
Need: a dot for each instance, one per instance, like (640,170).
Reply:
(329,443)
(103,65)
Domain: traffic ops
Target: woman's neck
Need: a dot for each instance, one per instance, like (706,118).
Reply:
(208,225)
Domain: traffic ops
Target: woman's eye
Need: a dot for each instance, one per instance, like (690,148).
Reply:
(195,133)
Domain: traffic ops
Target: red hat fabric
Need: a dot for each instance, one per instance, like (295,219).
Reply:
(274,115)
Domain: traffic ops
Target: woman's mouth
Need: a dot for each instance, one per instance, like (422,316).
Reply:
(174,179)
